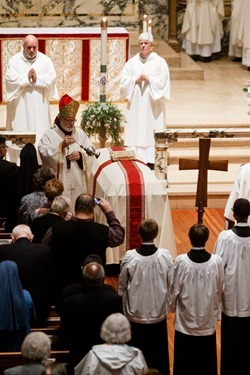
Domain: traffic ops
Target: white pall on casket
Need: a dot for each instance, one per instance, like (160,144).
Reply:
(115,181)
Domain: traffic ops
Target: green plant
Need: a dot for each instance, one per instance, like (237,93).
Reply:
(103,119)
(246,89)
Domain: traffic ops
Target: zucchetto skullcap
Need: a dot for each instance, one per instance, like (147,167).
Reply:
(68,107)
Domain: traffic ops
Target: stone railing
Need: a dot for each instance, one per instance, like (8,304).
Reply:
(164,139)
(19,139)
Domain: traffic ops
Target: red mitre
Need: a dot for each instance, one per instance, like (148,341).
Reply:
(68,107)
(65,99)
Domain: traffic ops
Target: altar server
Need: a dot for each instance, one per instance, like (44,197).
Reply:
(145,84)
(234,248)
(144,284)
(62,149)
(196,290)
(30,84)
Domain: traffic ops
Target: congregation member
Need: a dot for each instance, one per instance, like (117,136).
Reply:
(62,149)
(16,308)
(35,350)
(30,84)
(196,292)
(52,189)
(71,241)
(145,84)
(202,28)
(239,42)
(28,166)
(144,284)
(76,288)
(240,189)
(59,211)
(83,314)
(34,268)
(55,368)
(233,246)
(9,175)
(114,355)
(30,202)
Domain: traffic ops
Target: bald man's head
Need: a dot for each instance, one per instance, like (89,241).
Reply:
(93,274)
(30,47)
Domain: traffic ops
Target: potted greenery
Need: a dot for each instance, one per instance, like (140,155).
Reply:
(104,120)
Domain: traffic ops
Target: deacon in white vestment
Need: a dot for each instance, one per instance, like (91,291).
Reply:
(62,149)
(239,44)
(202,28)
(240,189)
(145,84)
(30,84)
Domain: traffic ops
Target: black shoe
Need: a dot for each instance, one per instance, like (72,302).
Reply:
(195,57)
(206,59)
(151,166)
(237,59)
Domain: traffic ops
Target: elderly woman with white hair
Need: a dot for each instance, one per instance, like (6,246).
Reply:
(35,349)
(113,357)
(145,84)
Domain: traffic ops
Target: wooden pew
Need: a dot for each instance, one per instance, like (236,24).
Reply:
(12,359)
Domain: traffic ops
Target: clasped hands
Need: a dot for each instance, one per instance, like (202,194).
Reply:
(142,78)
(32,77)
(69,140)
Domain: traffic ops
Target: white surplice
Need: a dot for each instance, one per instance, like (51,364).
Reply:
(202,27)
(28,102)
(146,102)
(53,156)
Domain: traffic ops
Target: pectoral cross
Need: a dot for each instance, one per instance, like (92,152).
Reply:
(203,165)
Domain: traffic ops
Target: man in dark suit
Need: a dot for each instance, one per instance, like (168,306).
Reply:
(71,241)
(9,173)
(34,267)
(83,314)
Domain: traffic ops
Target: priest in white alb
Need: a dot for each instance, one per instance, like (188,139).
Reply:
(30,84)
(145,84)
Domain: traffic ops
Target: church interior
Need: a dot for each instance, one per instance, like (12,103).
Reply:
(207,98)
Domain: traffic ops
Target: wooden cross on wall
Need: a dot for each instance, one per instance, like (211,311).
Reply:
(203,165)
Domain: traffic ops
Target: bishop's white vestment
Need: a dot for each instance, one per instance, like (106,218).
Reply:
(28,102)
(74,178)
(145,102)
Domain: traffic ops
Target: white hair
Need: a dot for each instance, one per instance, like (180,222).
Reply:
(146,36)
(36,346)
(116,329)
(21,230)
(60,205)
